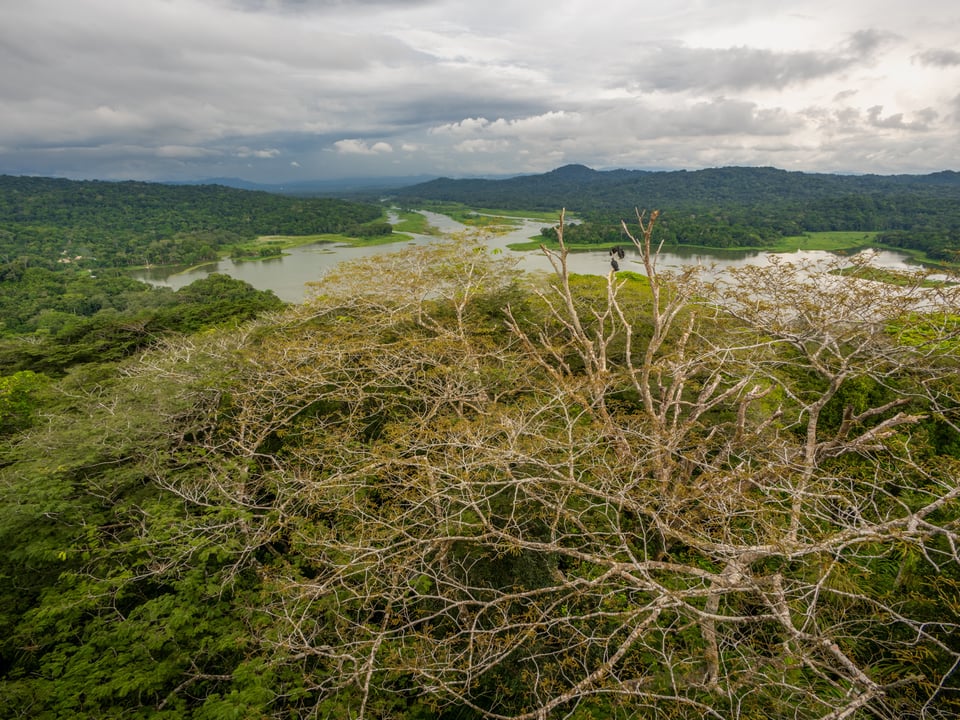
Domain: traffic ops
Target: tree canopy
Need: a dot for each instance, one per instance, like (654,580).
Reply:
(65,246)
(118,224)
(729,207)
(465,493)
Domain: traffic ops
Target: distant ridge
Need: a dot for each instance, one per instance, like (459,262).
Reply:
(313,187)
(97,209)
(580,188)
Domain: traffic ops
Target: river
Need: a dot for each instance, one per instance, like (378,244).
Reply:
(287,275)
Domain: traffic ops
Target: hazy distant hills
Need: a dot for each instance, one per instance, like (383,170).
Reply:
(341,186)
(581,189)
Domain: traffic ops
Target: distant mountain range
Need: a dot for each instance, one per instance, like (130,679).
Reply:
(580,188)
(719,207)
(364,185)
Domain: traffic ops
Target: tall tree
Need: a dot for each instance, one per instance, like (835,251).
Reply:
(656,496)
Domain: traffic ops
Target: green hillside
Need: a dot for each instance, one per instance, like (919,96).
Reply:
(581,189)
(118,224)
(730,207)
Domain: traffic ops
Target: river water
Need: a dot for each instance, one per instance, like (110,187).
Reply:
(288,275)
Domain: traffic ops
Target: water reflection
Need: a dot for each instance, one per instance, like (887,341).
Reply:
(288,275)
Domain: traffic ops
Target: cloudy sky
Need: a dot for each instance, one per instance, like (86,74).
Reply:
(286,90)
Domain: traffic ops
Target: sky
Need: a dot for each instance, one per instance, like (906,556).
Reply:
(280,91)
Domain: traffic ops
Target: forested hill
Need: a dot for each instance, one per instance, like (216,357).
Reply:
(123,223)
(582,189)
(731,207)
(64,298)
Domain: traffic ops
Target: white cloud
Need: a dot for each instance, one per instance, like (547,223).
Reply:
(463,127)
(354,146)
(265,153)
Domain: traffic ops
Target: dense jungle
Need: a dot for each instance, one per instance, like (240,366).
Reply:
(453,491)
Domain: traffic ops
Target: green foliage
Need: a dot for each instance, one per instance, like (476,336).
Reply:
(131,316)
(729,207)
(368,230)
(938,243)
(19,399)
(108,609)
(337,506)
(214,300)
(98,224)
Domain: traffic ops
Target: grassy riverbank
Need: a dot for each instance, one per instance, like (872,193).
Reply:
(484,217)
(413,222)
(280,243)
(267,246)
(831,241)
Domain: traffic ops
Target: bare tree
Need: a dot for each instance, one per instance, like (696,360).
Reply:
(667,498)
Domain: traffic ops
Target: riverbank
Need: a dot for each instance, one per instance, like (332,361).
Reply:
(851,242)
(406,224)
(481,217)
(890,277)
(280,242)
(831,241)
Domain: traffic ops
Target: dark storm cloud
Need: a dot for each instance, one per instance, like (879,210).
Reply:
(456,105)
(897,121)
(939,58)
(722,116)
(125,83)
(955,110)
(679,68)
(864,43)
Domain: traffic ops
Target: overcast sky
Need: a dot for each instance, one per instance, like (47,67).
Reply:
(286,90)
